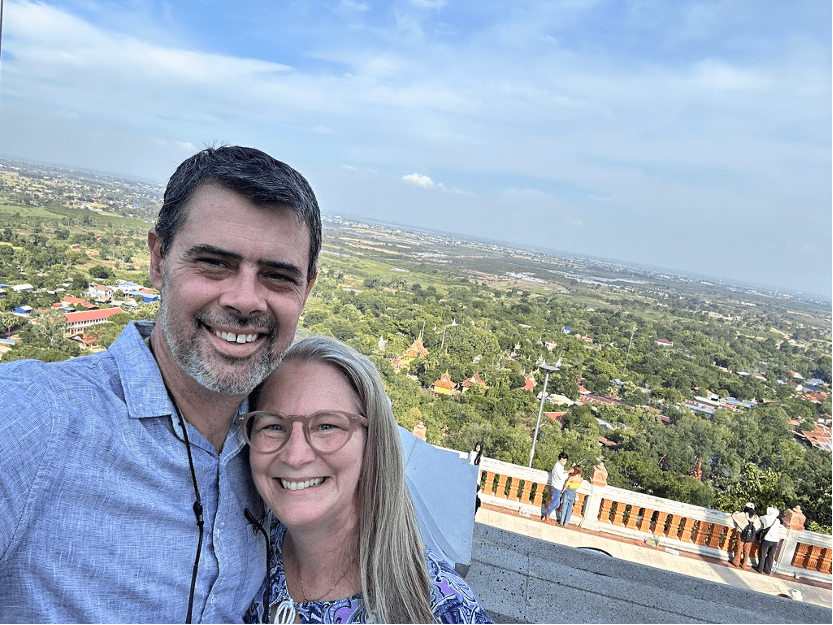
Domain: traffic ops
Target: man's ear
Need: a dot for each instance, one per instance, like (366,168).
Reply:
(310,284)
(156,271)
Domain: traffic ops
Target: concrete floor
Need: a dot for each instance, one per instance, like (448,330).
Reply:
(702,568)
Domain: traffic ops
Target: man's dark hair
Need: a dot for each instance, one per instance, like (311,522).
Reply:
(563,456)
(253,174)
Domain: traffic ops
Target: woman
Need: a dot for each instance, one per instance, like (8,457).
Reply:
(476,454)
(474,458)
(347,547)
(569,494)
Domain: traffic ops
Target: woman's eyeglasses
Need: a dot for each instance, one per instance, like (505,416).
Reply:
(325,431)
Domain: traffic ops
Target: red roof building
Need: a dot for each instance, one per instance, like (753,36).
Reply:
(77,321)
(444,386)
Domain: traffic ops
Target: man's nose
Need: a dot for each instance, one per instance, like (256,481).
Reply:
(244,292)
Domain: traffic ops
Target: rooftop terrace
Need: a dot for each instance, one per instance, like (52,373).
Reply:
(632,558)
(524,571)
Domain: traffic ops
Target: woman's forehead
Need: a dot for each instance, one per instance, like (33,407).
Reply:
(307,386)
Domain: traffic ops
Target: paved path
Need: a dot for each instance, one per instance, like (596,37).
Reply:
(695,566)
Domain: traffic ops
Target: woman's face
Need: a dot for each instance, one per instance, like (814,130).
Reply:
(304,488)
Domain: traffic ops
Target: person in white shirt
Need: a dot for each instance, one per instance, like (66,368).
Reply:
(557,479)
(772,528)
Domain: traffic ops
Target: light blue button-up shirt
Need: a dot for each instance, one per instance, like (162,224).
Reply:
(96,498)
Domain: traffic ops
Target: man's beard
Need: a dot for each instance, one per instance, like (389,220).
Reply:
(215,371)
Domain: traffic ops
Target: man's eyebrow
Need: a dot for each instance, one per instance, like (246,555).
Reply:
(286,267)
(198,250)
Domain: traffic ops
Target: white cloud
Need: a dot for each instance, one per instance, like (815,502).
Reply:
(693,113)
(418,180)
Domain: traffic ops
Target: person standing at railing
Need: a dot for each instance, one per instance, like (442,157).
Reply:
(770,537)
(569,494)
(747,523)
(558,476)
(474,458)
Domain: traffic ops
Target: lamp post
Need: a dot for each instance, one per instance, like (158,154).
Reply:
(548,369)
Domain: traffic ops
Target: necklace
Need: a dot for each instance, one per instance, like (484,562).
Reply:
(301,581)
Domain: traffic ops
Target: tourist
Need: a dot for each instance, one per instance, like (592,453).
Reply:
(770,537)
(556,482)
(327,460)
(124,495)
(746,524)
(569,493)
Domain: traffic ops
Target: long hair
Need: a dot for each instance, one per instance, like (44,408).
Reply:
(261,179)
(394,576)
(479,447)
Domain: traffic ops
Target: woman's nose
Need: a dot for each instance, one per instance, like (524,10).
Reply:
(297,450)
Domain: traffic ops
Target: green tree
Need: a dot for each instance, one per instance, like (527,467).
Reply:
(764,488)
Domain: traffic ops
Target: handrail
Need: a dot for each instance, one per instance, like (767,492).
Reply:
(655,520)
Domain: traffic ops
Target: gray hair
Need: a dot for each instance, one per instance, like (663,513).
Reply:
(253,174)
(395,581)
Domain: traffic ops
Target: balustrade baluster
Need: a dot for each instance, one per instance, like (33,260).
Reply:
(539,495)
(814,558)
(674,526)
(501,487)
(727,538)
(702,533)
(619,514)
(526,492)
(802,553)
(716,535)
(489,486)
(513,483)
(604,511)
(687,528)
(824,566)
(659,526)
(632,517)
(645,522)
(578,507)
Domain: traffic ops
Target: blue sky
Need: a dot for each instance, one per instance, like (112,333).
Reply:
(689,135)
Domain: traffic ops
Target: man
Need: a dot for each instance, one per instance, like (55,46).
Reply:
(125,493)
(558,477)
(746,523)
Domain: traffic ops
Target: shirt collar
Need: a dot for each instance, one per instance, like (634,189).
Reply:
(143,387)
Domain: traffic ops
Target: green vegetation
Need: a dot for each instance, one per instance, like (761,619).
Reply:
(480,309)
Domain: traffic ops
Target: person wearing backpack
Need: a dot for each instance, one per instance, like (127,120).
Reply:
(747,524)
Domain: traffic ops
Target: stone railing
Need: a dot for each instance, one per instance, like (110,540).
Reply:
(659,522)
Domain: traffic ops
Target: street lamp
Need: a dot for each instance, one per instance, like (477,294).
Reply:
(548,369)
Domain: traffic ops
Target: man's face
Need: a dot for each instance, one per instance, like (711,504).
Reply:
(234,283)
(562,461)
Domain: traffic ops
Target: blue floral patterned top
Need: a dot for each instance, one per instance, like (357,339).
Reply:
(452,601)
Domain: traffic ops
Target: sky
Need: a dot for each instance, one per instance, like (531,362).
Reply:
(689,135)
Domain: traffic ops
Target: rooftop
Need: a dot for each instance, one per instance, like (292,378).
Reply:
(525,571)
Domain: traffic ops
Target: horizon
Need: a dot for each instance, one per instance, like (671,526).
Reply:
(767,289)
(693,137)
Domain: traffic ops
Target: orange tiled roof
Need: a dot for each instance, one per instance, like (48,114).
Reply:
(91,315)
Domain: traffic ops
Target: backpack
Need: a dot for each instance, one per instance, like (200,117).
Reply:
(748,533)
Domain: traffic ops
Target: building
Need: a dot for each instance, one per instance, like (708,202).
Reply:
(416,350)
(445,385)
(472,381)
(78,321)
